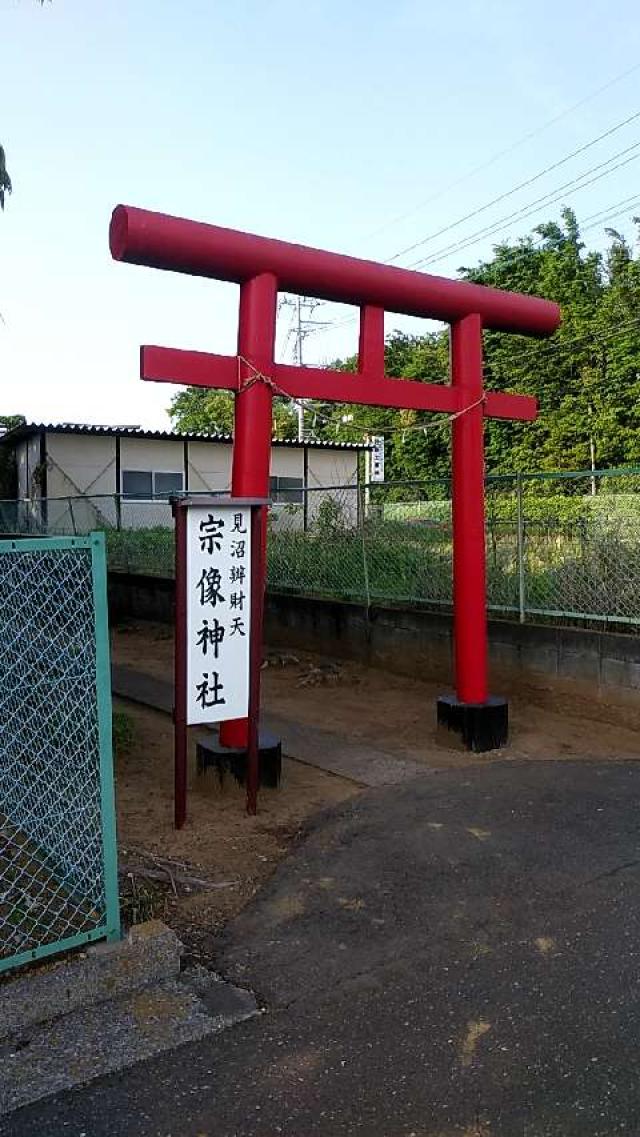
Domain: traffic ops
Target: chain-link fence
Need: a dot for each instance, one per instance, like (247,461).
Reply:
(58,877)
(560,546)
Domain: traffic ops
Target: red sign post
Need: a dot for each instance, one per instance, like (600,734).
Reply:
(263,267)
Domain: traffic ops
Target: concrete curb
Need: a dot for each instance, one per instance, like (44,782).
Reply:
(105,1009)
(149,954)
(77,1048)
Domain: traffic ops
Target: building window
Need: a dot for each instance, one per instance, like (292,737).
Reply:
(144,485)
(286,490)
(165,485)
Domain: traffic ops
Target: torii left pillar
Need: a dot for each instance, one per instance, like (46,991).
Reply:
(262,267)
(253,429)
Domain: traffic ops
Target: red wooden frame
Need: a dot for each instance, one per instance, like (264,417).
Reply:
(262,267)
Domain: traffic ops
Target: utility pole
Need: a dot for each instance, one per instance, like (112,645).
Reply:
(302,325)
(592,453)
(299,342)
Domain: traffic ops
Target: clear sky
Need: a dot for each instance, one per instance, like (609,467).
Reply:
(344,124)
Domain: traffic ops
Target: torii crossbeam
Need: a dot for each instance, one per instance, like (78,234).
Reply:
(263,267)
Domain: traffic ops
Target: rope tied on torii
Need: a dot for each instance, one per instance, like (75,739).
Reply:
(263,267)
(257,376)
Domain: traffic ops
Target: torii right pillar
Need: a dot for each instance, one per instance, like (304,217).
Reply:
(481,720)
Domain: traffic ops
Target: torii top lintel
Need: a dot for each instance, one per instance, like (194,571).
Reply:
(158,240)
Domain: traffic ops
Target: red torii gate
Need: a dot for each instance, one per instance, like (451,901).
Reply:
(262,267)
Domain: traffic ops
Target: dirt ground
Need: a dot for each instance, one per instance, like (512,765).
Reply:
(397,714)
(200,877)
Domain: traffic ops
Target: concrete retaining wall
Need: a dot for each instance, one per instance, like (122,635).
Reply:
(133,596)
(598,670)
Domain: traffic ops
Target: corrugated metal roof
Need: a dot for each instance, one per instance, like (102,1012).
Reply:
(28,429)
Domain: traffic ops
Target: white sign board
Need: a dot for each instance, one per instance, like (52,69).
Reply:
(377,458)
(218,612)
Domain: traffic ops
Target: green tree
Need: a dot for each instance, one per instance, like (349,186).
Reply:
(414,440)
(5,180)
(586,377)
(8,470)
(208,411)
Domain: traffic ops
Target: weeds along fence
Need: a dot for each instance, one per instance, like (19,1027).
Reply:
(560,546)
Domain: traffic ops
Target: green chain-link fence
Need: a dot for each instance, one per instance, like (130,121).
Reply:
(58,876)
(561,546)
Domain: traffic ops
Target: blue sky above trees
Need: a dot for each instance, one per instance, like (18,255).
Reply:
(322,124)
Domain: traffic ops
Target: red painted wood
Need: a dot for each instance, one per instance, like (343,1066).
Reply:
(469,557)
(193,368)
(500,405)
(253,425)
(371,342)
(158,240)
(262,267)
(180,671)
(367,388)
(199,369)
(258,575)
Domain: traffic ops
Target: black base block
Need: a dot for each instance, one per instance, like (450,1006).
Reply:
(482,726)
(210,754)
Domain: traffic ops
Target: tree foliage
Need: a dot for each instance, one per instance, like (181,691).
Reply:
(586,377)
(8,470)
(208,411)
(5,180)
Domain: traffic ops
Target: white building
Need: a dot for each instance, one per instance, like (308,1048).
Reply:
(123,475)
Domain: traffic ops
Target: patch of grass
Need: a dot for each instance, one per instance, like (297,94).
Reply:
(124,734)
(141,900)
(149,551)
(581,557)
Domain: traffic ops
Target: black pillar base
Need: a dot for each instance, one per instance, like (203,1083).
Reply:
(482,726)
(210,754)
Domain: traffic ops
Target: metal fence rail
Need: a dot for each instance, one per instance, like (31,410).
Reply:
(58,876)
(562,546)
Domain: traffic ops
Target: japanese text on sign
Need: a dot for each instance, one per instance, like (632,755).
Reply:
(376,459)
(218,612)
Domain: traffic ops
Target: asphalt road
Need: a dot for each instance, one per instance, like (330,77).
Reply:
(457,955)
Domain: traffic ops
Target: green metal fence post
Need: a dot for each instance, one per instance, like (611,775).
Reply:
(56,791)
(521,565)
(103,695)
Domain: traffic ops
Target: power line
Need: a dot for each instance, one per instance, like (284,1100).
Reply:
(555,345)
(610,212)
(533,206)
(301,326)
(440,420)
(559,344)
(515,189)
(507,150)
(525,211)
(620,206)
(602,215)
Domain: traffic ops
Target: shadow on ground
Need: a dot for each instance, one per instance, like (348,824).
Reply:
(456,955)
